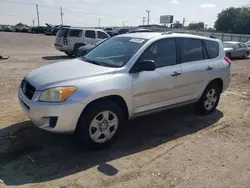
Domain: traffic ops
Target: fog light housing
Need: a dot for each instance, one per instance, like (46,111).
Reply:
(52,121)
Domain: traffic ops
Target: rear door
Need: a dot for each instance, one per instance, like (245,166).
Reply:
(74,37)
(61,36)
(90,37)
(196,67)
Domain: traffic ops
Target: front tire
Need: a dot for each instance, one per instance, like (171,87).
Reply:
(228,55)
(209,99)
(98,126)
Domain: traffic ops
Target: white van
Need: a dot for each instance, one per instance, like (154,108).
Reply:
(69,40)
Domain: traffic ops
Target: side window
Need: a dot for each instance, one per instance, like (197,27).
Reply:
(90,34)
(162,52)
(75,33)
(190,50)
(242,45)
(237,46)
(102,35)
(212,48)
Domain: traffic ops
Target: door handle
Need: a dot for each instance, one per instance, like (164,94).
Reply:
(175,73)
(210,68)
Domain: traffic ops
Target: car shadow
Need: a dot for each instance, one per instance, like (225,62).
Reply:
(60,57)
(30,155)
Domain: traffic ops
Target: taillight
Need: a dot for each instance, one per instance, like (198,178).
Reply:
(65,41)
(228,60)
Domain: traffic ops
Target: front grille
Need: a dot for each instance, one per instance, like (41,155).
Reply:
(28,89)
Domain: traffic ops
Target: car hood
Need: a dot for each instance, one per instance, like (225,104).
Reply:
(228,49)
(65,73)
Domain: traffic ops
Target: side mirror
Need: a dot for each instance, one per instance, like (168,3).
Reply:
(145,65)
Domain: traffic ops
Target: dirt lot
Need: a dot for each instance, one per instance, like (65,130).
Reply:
(176,148)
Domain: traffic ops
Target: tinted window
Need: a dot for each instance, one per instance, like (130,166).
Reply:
(242,46)
(102,35)
(75,33)
(123,31)
(228,45)
(63,32)
(212,48)
(163,53)
(190,50)
(237,46)
(114,52)
(90,34)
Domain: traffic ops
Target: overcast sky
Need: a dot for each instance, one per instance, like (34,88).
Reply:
(112,12)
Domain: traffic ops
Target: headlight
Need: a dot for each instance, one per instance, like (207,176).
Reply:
(58,94)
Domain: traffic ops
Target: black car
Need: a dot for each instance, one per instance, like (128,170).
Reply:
(82,51)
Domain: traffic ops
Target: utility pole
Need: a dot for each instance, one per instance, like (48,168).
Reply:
(148,12)
(99,22)
(61,13)
(183,22)
(123,23)
(37,12)
(143,21)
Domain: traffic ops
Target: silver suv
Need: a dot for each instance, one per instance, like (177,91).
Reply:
(124,77)
(70,39)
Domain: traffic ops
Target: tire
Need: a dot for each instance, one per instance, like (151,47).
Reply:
(76,49)
(228,55)
(209,99)
(92,127)
(246,55)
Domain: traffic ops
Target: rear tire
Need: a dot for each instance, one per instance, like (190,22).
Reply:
(76,49)
(209,99)
(246,55)
(98,126)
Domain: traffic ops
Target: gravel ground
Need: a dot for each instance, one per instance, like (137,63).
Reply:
(175,148)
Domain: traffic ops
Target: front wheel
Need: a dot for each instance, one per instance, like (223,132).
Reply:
(98,127)
(209,99)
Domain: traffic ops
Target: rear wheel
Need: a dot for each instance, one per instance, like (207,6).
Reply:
(98,126)
(209,99)
(246,55)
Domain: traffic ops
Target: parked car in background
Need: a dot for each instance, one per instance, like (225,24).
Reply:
(124,77)
(38,30)
(8,29)
(82,51)
(69,40)
(1,29)
(248,43)
(235,49)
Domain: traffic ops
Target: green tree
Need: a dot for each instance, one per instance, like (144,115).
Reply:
(196,26)
(234,20)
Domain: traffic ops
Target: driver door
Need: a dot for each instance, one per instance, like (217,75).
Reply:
(158,88)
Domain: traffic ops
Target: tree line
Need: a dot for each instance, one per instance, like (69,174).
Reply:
(230,20)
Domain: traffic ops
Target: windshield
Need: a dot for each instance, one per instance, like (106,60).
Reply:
(228,45)
(114,52)
(63,32)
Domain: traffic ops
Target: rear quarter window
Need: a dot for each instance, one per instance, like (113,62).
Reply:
(212,48)
(75,33)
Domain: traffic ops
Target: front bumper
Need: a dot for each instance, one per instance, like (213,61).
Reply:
(67,113)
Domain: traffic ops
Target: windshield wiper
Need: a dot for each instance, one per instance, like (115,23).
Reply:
(91,61)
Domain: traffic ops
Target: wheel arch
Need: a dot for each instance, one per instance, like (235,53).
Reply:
(114,98)
(218,81)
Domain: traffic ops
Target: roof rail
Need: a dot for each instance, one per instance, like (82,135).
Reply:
(167,33)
